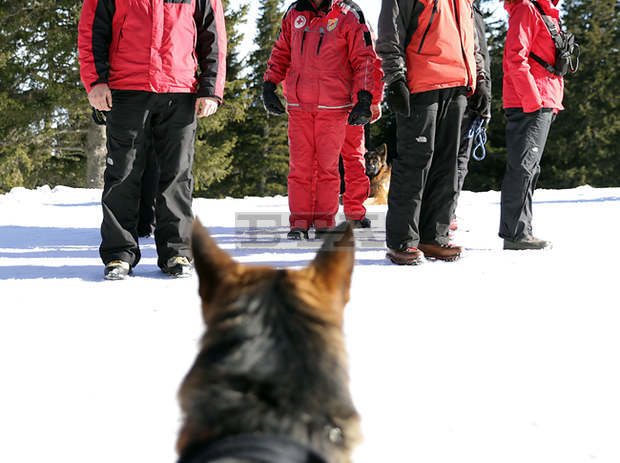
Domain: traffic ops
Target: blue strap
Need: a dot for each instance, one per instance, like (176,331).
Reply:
(479,134)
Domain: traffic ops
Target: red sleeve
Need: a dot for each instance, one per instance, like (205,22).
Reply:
(94,38)
(280,58)
(522,26)
(362,56)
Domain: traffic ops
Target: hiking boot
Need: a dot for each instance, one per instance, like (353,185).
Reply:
(178,266)
(361,223)
(445,252)
(410,256)
(527,242)
(297,234)
(116,270)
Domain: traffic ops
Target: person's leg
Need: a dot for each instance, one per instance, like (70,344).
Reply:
(300,177)
(464,149)
(440,192)
(124,166)
(416,141)
(174,130)
(329,129)
(526,135)
(356,180)
(150,184)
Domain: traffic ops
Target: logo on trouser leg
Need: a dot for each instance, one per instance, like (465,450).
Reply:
(110,161)
(421,139)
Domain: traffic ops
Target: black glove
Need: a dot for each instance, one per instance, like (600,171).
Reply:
(361,113)
(397,97)
(99,116)
(272,103)
(480,101)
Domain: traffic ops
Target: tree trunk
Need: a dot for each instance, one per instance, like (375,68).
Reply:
(95,155)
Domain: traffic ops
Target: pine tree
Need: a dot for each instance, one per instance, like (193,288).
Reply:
(217,136)
(583,143)
(260,159)
(44,121)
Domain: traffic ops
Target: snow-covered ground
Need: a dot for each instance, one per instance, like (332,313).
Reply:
(502,357)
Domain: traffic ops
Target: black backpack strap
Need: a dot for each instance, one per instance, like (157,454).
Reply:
(558,41)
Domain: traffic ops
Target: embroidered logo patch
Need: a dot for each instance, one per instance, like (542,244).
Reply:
(300,22)
(421,139)
(331,24)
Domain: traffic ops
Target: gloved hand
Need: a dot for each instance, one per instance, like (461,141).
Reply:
(272,103)
(397,97)
(480,101)
(361,113)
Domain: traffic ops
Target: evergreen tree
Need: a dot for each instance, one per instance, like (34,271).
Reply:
(260,159)
(217,136)
(583,143)
(42,131)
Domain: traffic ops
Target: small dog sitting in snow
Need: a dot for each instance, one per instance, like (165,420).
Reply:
(379,172)
(270,383)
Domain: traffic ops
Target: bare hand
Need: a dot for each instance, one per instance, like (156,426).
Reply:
(100,97)
(206,107)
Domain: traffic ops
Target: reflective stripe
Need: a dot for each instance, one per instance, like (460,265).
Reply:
(335,107)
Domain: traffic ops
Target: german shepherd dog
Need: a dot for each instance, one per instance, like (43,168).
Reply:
(270,382)
(379,173)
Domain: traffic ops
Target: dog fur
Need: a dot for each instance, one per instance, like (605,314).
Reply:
(379,172)
(272,360)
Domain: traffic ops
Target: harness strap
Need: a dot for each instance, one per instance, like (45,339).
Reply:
(558,41)
(255,448)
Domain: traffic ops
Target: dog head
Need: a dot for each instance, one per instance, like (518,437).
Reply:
(375,160)
(272,360)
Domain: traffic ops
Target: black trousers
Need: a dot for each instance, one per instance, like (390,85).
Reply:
(171,118)
(526,135)
(150,185)
(423,187)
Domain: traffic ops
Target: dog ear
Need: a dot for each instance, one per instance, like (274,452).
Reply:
(333,265)
(382,150)
(213,265)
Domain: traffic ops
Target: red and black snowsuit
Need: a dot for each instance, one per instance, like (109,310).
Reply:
(148,53)
(357,184)
(325,57)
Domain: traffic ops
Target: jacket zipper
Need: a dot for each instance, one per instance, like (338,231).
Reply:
(320,41)
(429,25)
(458,25)
(303,38)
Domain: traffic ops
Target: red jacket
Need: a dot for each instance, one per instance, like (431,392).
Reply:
(325,57)
(527,84)
(153,45)
(429,42)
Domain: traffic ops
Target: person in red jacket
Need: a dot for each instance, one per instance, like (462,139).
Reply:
(532,96)
(138,60)
(325,56)
(357,183)
(428,53)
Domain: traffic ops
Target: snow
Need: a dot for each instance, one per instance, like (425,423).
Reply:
(503,356)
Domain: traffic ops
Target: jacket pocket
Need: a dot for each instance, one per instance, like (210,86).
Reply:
(334,92)
(290,88)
